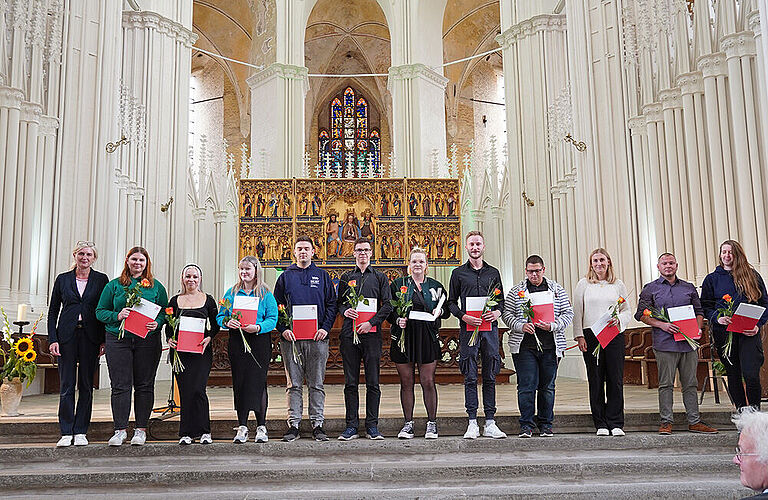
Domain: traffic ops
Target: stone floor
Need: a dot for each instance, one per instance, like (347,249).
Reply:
(571,398)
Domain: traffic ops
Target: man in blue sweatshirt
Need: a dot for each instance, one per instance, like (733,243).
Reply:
(305,284)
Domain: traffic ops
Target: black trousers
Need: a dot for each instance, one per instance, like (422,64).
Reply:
(746,359)
(77,365)
(132,364)
(369,352)
(195,415)
(606,381)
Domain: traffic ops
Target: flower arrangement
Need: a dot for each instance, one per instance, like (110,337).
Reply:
(173,323)
(491,300)
(614,314)
(727,311)
(661,315)
(353,299)
(20,360)
(133,296)
(286,319)
(402,305)
(528,314)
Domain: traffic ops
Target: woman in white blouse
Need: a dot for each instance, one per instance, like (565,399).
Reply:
(595,295)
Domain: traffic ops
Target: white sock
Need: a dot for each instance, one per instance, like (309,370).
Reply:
(489,422)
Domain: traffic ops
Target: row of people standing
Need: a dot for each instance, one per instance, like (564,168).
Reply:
(90,306)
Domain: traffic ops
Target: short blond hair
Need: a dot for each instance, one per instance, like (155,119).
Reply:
(420,250)
(84,244)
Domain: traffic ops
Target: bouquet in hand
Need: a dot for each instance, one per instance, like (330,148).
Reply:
(284,318)
(173,323)
(528,314)
(614,314)
(353,299)
(727,311)
(402,305)
(227,305)
(491,300)
(132,299)
(661,315)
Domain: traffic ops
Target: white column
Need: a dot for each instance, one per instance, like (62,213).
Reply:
(10,114)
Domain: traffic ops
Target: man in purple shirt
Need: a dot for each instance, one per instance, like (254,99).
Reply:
(661,294)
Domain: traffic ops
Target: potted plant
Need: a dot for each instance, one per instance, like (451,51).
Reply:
(18,365)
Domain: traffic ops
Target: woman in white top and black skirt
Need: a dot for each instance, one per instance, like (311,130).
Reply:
(595,295)
(194,303)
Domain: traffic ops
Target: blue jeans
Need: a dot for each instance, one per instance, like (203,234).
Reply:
(488,347)
(536,371)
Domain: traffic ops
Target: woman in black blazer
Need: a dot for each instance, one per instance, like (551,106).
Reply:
(76,337)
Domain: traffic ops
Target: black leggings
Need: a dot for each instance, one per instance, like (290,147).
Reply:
(407,372)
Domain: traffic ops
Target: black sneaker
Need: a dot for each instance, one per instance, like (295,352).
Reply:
(319,434)
(291,435)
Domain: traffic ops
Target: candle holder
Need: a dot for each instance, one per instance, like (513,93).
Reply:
(21,325)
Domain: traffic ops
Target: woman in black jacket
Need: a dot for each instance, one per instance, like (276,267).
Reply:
(77,338)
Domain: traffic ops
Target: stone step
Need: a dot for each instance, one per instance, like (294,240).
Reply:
(702,486)
(16,430)
(690,443)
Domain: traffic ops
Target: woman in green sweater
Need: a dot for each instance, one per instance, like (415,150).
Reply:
(131,359)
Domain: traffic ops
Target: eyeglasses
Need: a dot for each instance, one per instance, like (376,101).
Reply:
(740,453)
(534,271)
(361,250)
(83,243)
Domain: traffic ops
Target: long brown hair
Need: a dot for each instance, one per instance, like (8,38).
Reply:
(744,276)
(125,276)
(610,276)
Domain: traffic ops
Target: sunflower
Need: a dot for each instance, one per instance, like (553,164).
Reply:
(23,346)
(30,355)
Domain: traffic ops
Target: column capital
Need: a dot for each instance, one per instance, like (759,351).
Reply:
(48,125)
(753,21)
(198,213)
(740,44)
(653,112)
(147,19)
(412,71)
(279,70)
(671,99)
(536,24)
(712,65)
(219,216)
(637,125)
(31,112)
(11,97)
(691,83)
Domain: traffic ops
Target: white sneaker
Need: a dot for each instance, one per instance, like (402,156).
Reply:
(492,431)
(80,440)
(261,434)
(139,437)
(431,432)
(602,431)
(242,434)
(206,439)
(473,431)
(64,441)
(118,438)
(617,431)
(185,440)
(407,431)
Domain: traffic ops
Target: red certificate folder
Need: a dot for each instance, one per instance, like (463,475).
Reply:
(475,306)
(191,333)
(140,315)
(366,312)
(304,322)
(248,307)
(543,304)
(685,319)
(604,333)
(745,317)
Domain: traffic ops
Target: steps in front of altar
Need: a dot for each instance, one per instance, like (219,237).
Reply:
(638,465)
(21,430)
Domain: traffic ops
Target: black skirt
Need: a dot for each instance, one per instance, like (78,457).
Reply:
(249,380)
(421,343)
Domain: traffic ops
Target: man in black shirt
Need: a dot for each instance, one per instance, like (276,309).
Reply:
(477,279)
(364,281)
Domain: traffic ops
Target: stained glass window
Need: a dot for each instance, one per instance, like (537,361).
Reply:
(350,138)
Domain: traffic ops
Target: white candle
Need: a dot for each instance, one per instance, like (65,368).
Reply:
(22,312)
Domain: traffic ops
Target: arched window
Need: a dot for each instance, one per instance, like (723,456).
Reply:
(352,146)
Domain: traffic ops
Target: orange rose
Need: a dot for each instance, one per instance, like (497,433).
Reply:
(727,298)
(621,300)
(222,302)
(646,312)
(280,307)
(353,283)
(145,283)
(521,294)
(403,289)
(496,291)
(169,311)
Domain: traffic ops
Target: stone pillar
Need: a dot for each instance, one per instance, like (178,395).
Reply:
(277,117)
(418,106)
